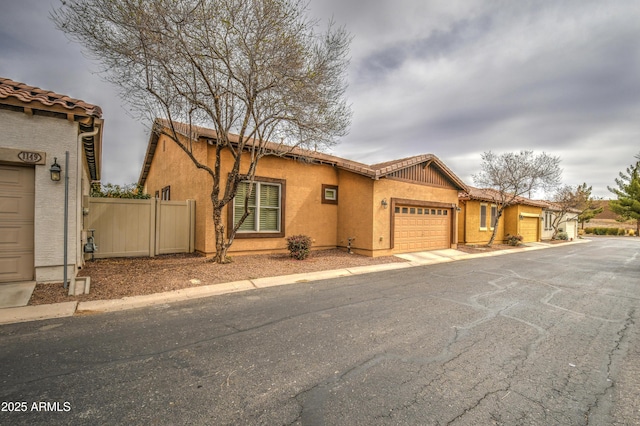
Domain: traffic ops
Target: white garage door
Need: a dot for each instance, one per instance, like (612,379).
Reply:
(421,228)
(17,195)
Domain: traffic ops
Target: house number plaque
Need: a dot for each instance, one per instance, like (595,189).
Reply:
(30,157)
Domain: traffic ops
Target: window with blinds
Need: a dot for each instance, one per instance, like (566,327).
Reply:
(263,204)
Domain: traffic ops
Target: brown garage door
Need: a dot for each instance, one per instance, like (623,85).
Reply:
(529,229)
(421,228)
(17,195)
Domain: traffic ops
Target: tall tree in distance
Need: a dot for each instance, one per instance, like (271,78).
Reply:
(253,70)
(586,204)
(515,175)
(627,206)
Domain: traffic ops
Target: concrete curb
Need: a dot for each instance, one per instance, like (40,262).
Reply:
(38,312)
(67,309)
(112,305)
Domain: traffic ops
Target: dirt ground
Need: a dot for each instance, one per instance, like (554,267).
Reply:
(121,277)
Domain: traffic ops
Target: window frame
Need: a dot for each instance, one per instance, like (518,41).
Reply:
(493,209)
(483,206)
(324,198)
(490,215)
(166,193)
(260,234)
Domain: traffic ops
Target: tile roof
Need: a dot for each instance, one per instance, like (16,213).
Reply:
(36,98)
(490,194)
(374,171)
(551,205)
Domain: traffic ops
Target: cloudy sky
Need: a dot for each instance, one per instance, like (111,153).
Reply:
(454,78)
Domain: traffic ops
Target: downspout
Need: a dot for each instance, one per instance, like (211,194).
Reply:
(66,197)
(66,213)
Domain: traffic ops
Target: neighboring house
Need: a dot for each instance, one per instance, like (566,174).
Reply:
(37,128)
(478,213)
(399,206)
(567,222)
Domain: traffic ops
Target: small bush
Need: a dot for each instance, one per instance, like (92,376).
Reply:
(632,232)
(299,246)
(562,236)
(514,240)
(588,230)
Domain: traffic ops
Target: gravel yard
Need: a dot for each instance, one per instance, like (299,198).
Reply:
(122,277)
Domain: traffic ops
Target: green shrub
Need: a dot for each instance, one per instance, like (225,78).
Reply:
(632,232)
(299,246)
(514,240)
(605,231)
(562,236)
(110,190)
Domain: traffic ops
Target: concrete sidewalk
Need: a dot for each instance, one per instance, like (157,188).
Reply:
(67,309)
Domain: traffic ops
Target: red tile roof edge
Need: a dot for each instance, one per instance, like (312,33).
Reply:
(374,171)
(47,99)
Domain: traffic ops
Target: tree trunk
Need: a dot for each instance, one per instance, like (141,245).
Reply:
(221,246)
(495,228)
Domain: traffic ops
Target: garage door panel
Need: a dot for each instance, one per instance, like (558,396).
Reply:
(529,229)
(17,200)
(421,228)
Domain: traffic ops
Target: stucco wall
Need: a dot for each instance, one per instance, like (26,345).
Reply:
(512,218)
(355,211)
(391,188)
(53,136)
(471,232)
(304,212)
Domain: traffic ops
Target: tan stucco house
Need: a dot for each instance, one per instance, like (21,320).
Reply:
(398,206)
(38,128)
(478,209)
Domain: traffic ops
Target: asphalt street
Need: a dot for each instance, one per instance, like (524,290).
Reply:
(547,337)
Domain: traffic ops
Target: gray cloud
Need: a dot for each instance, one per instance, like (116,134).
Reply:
(453,78)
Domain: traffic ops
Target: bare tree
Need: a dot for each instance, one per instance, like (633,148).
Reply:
(564,201)
(515,175)
(256,69)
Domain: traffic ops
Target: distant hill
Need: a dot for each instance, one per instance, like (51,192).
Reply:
(608,219)
(606,213)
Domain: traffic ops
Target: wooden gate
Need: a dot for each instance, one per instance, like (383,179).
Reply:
(130,227)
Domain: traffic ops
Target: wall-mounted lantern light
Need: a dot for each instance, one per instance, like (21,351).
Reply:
(384,203)
(458,209)
(55,170)
(521,217)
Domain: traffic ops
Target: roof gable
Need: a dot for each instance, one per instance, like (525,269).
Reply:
(427,169)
